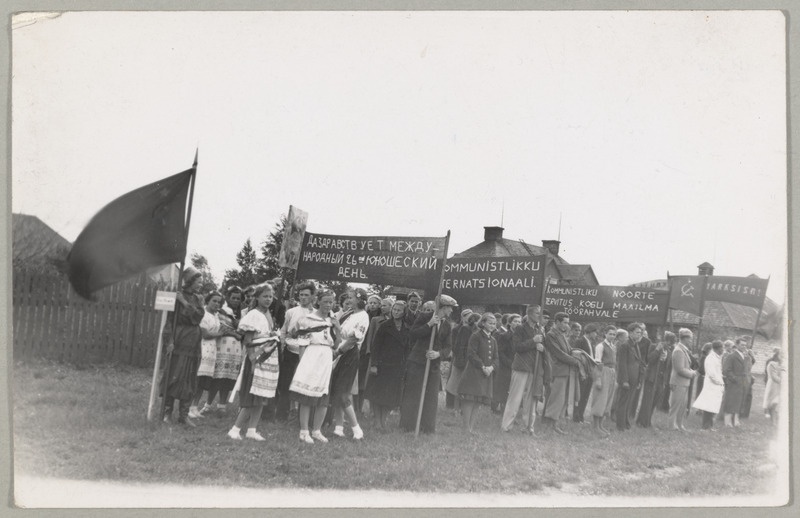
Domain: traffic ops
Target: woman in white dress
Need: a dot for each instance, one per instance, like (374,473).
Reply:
(210,331)
(258,378)
(710,399)
(316,336)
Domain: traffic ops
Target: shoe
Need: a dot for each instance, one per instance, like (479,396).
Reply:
(194,413)
(316,434)
(252,434)
(559,430)
(207,408)
(534,433)
(358,433)
(304,437)
(338,431)
(235,435)
(187,422)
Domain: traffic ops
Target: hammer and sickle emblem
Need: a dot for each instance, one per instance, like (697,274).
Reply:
(687,289)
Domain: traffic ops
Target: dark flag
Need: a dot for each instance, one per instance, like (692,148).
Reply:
(747,291)
(138,230)
(686,292)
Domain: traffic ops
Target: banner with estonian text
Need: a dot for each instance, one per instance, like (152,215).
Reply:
(747,291)
(495,280)
(412,262)
(608,303)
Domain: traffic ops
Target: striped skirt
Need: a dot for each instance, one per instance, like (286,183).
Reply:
(228,359)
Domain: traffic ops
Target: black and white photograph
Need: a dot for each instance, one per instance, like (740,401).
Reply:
(395,258)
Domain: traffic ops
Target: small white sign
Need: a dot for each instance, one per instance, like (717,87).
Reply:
(165,300)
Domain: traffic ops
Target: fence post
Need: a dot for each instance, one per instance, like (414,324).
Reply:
(136,302)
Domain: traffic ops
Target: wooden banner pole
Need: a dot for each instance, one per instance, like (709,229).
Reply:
(433,336)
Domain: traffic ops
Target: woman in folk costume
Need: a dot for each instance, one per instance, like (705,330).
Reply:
(710,399)
(181,381)
(354,326)
(772,392)
(316,336)
(210,330)
(258,377)
(228,360)
(605,379)
(476,383)
(385,382)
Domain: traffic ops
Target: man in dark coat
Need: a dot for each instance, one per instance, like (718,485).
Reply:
(735,377)
(412,309)
(437,323)
(586,344)
(556,345)
(749,361)
(630,372)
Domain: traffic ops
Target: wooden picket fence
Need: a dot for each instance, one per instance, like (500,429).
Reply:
(51,321)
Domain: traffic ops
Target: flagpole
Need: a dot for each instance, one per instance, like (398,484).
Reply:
(433,336)
(178,287)
(758,318)
(536,363)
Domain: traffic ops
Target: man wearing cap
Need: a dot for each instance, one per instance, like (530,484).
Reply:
(556,345)
(527,344)
(680,379)
(438,323)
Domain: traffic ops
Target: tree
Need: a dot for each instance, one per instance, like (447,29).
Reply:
(267,266)
(201,263)
(245,275)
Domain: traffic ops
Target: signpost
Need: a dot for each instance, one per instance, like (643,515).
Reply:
(165,302)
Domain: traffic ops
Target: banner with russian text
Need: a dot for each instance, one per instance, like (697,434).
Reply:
(747,291)
(495,280)
(608,303)
(412,262)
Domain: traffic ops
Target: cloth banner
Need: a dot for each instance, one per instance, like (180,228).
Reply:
(293,238)
(413,262)
(495,280)
(141,229)
(686,292)
(747,291)
(607,303)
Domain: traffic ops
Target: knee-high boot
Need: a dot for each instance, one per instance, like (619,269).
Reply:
(183,412)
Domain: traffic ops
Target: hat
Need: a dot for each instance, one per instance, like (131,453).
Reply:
(189,275)
(447,300)
(466,312)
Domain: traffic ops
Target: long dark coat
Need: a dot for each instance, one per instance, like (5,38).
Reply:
(481,352)
(389,346)
(735,377)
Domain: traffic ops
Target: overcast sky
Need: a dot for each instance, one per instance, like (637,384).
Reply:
(659,138)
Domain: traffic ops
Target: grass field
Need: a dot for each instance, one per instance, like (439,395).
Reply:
(89,424)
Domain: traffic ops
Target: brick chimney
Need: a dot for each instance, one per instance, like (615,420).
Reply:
(492,233)
(705,269)
(552,245)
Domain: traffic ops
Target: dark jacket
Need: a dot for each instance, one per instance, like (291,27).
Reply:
(389,345)
(583,344)
(505,349)
(481,352)
(420,335)
(630,367)
(654,363)
(460,343)
(555,342)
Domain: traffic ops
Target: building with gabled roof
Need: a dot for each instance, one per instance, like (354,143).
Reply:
(34,244)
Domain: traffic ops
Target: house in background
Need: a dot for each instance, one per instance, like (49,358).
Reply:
(34,245)
(724,319)
(556,268)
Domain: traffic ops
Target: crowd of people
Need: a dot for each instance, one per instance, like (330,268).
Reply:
(326,362)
